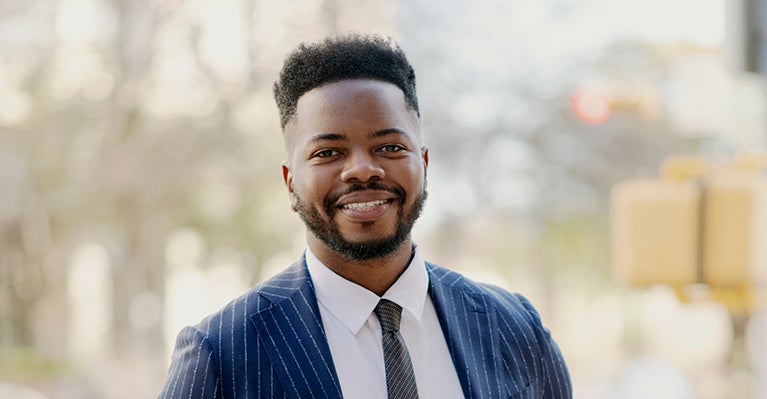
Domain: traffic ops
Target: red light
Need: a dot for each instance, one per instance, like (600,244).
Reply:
(591,106)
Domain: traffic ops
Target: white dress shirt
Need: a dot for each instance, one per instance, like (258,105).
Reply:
(354,333)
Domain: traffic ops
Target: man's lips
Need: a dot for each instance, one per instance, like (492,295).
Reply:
(365,199)
(365,206)
(360,206)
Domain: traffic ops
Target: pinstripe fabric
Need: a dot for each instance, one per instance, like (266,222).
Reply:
(499,346)
(270,343)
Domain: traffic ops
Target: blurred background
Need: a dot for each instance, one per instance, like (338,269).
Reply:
(140,154)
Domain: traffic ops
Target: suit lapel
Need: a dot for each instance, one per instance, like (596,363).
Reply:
(292,334)
(470,330)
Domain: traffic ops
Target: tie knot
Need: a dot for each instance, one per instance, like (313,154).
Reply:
(389,314)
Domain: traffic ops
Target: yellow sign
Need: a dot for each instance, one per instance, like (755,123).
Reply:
(697,224)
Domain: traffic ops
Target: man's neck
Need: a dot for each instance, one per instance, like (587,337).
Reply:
(376,275)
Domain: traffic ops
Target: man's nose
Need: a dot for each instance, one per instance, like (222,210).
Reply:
(362,167)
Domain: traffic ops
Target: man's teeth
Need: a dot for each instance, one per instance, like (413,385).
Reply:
(364,205)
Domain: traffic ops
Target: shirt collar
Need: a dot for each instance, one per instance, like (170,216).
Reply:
(352,304)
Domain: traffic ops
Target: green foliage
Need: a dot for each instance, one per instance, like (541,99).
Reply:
(27,365)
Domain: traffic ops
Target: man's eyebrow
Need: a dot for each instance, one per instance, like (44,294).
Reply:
(341,137)
(386,132)
(328,137)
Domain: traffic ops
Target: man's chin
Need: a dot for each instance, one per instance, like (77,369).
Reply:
(354,241)
(367,238)
(362,250)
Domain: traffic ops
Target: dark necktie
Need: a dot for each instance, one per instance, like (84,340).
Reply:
(400,379)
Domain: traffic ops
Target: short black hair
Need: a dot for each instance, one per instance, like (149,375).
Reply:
(338,58)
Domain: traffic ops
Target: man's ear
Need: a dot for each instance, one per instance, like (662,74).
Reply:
(425,157)
(287,177)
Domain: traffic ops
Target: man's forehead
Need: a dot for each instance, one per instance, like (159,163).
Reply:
(340,98)
(350,89)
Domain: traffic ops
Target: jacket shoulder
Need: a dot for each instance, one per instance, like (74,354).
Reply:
(526,345)
(260,297)
(508,304)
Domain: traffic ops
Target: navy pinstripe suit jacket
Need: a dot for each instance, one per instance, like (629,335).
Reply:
(270,343)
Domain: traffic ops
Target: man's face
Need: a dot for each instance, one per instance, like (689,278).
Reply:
(356,172)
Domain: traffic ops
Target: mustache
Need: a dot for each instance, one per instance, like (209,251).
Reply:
(331,200)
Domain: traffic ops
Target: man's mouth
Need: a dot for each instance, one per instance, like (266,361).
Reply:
(361,206)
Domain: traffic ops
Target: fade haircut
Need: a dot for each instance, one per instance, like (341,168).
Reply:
(340,58)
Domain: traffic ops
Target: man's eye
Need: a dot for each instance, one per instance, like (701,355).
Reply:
(391,148)
(325,154)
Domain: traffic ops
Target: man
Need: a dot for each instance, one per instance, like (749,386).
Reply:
(361,315)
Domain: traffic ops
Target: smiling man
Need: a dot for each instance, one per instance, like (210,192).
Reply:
(361,314)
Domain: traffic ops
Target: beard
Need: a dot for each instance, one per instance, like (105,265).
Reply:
(327,230)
